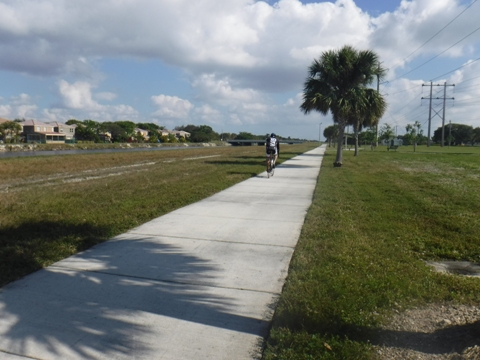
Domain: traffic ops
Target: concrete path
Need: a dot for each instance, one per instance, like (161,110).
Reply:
(198,283)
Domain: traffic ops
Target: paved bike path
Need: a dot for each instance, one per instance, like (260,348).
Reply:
(198,283)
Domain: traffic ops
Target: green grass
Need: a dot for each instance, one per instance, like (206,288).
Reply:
(54,206)
(372,224)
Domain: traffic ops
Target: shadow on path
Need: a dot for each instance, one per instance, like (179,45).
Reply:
(108,310)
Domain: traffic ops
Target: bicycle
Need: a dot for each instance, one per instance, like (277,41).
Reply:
(270,165)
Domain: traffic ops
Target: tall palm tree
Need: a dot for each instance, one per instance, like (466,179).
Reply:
(337,83)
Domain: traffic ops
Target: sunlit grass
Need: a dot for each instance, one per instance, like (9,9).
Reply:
(363,247)
(54,206)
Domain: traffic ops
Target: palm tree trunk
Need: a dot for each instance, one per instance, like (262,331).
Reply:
(357,125)
(341,133)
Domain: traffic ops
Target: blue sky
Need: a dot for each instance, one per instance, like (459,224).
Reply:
(235,65)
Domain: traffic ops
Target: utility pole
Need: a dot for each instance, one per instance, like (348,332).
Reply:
(443,117)
(436,113)
(429,113)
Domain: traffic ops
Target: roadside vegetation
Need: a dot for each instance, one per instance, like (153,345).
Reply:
(362,251)
(54,206)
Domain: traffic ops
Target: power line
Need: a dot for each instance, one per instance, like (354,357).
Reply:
(467,64)
(430,40)
(398,92)
(439,31)
(433,58)
(461,88)
(470,79)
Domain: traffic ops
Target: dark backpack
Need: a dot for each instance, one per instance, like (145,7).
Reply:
(271,143)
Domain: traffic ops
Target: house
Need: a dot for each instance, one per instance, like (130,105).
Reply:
(37,131)
(105,137)
(178,133)
(163,132)
(181,133)
(68,130)
(142,132)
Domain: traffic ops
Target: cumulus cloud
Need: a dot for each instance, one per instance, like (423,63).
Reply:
(208,115)
(413,30)
(78,98)
(210,88)
(23,106)
(5,111)
(240,56)
(171,107)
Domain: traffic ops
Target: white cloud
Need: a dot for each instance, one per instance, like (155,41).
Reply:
(404,35)
(171,107)
(241,56)
(208,115)
(23,106)
(5,111)
(78,96)
(210,88)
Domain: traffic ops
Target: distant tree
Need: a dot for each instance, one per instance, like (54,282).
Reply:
(369,136)
(460,133)
(128,126)
(245,136)
(118,133)
(85,134)
(331,133)
(74,122)
(153,138)
(476,136)
(414,133)
(10,130)
(225,136)
(202,133)
(386,132)
(152,129)
(139,138)
(172,138)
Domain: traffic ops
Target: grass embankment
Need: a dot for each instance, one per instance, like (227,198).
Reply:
(361,254)
(54,206)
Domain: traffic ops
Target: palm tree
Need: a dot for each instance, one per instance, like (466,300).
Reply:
(370,108)
(337,83)
(414,131)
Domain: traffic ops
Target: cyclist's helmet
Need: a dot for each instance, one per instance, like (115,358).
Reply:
(273,135)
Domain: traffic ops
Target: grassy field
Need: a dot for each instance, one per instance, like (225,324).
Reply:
(54,206)
(361,256)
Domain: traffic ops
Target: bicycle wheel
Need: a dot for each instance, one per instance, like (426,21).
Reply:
(269,167)
(272,165)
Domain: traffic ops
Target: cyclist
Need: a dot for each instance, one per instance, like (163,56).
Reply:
(272,147)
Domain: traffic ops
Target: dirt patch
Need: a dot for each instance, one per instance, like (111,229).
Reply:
(441,331)
(465,268)
(434,332)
